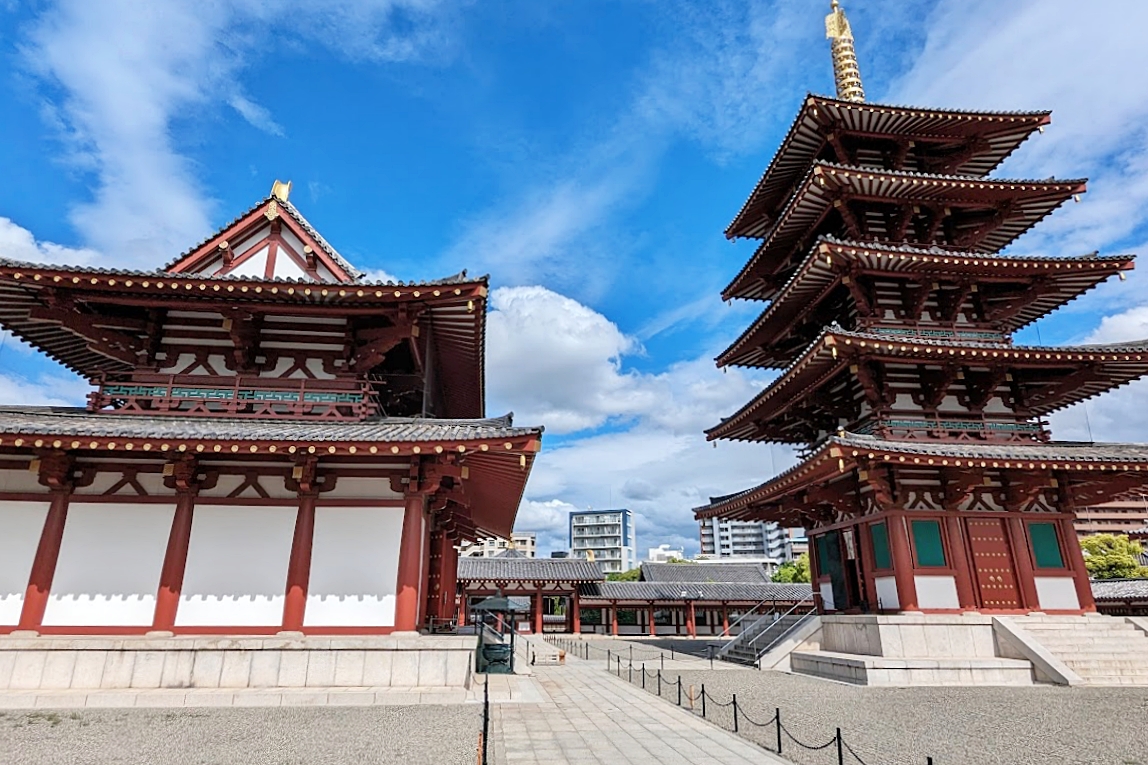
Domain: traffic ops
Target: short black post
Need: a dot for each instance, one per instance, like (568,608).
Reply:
(662,658)
(659,683)
(703,700)
(679,690)
(840,749)
(735,713)
(928,761)
(643,676)
(777,716)
(609,661)
(671,652)
(630,672)
(711,657)
(485,717)
(631,653)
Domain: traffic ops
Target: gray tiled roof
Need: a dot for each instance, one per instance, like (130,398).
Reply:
(703,592)
(69,421)
(1120,589)
(741,573)
(540,569)
(459,278)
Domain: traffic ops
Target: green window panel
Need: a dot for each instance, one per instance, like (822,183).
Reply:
(1045,545)
(822,553)
(927,543)
(879,533)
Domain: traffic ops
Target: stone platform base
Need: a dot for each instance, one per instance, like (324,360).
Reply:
(872,670)
(101,663)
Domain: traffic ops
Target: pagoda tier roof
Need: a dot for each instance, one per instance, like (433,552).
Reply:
(497,455)
(820,274)
(1054,377)
(115,303)
(695,592)
(838,454)
(965,142)
(983,215)
(190,258)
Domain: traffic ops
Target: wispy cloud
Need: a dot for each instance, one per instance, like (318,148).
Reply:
(116,75)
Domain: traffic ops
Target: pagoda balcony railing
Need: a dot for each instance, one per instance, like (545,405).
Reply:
(950,428)
(240,396)
(942,333)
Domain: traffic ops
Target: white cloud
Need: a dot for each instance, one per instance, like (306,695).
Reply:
(118,75)
(562,365)
(45,390)
(258,116)
(18,243)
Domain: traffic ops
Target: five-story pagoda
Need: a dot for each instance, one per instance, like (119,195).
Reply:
(929,481)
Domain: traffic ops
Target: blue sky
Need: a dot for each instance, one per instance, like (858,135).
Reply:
(586,154)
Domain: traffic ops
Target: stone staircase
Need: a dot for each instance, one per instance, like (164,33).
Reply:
(749,645)
(1102,650)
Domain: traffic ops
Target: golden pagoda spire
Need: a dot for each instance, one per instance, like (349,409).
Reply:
(845,69)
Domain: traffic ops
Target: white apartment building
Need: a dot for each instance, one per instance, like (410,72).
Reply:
(665,554)
(608,534)
(525,542)
(721,538)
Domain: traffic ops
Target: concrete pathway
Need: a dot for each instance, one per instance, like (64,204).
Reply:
(592,718)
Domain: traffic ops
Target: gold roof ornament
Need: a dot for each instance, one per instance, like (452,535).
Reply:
(845,69)
(281,190)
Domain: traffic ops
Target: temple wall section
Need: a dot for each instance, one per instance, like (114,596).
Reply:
(22,523)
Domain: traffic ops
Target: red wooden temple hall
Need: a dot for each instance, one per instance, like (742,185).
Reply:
(272,442)
(929,480)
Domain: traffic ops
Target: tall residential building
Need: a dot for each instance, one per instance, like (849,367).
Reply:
(525,542)
(608,534)
(724,538)
(1119,517)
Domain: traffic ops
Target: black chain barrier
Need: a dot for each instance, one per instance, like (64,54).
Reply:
(704,701)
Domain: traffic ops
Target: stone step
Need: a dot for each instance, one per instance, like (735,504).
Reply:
(1093,666)
(1054,627)
(1116,680)
(1102,655)
(1130,640)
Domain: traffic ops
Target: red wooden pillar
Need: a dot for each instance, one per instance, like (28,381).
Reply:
(299,569)
(692,624)
(1025,575)
(902,563)
(538,612)
(44,565)
(174,561)
(1074,557)
(577,609)
(410,565)
(650,616)
(959,560)
(814,575)
(725,619)
(448,579)
(425,574)
(614,618)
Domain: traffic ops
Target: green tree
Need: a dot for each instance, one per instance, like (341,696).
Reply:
(624,576)
(793,570)
(1113,556)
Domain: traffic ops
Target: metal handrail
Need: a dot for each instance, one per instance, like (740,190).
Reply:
(786,632)
(806,602)
(726,632)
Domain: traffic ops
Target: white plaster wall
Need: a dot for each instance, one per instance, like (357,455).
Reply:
(826,589)
(253,266)
(1057,592)
(937,592)
(109,566)
(287,268)
(21,523)
(354,567)
(236,566)
(364,488)
(20,481)
(887,596)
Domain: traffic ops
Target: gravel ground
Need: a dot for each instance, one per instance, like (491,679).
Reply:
(415,735)
(902,726)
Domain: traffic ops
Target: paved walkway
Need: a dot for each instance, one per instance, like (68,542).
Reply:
(591,718)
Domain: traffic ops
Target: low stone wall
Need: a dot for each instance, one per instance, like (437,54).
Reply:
(912,636)
(50,662)
(862,670)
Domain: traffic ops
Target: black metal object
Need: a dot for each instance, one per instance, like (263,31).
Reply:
(485,719)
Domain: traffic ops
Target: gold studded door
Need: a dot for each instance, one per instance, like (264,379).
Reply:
(992,562)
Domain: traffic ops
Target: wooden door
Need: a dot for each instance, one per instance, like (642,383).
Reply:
(992,563)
